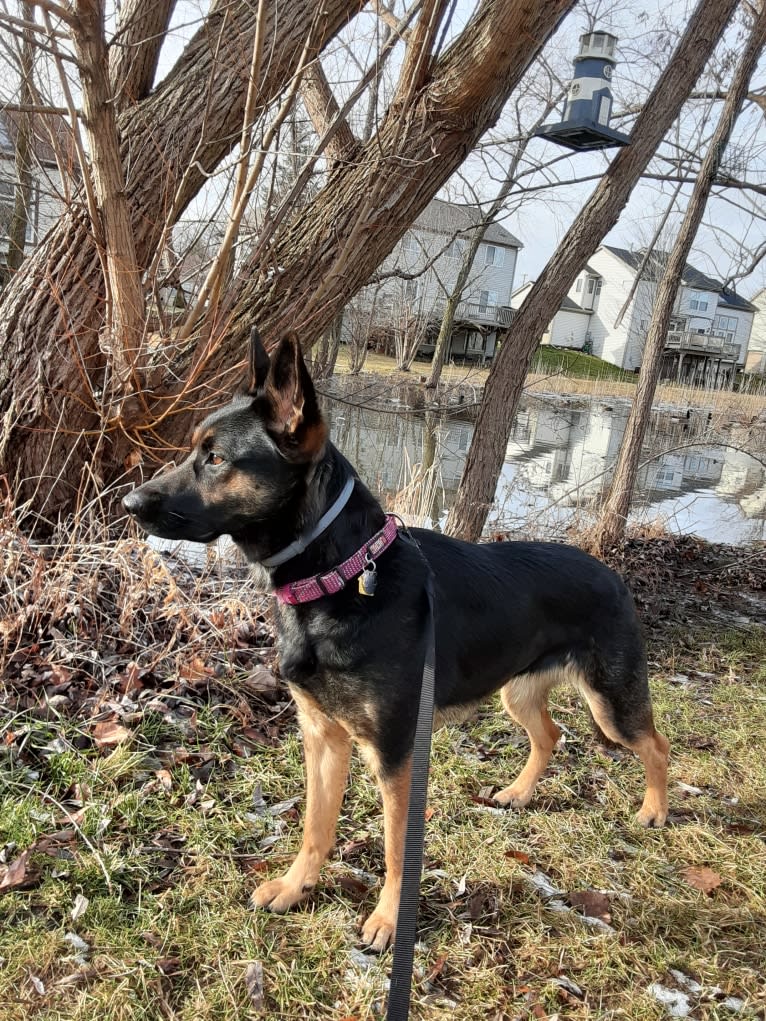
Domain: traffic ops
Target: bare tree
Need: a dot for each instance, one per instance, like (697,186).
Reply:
(611,523)
(509,369)
(17,229)
(67,427)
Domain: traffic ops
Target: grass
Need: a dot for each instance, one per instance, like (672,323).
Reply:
(574,374)
(561,361)
(167,833)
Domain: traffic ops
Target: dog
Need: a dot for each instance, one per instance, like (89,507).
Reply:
(513,617)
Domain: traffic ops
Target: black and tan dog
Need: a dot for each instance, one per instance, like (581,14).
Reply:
(518,617)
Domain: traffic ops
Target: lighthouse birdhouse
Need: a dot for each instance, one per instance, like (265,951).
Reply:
(589,100)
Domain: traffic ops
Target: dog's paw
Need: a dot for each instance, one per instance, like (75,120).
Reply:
(651,817)
(513,797)
(279,895)
(378,931)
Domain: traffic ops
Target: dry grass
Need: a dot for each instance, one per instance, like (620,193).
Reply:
(720,402)
(165,833)
(742,406)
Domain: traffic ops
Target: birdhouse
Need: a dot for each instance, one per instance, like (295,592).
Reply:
(589,100)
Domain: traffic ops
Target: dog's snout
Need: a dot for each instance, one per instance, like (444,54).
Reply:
(140,502)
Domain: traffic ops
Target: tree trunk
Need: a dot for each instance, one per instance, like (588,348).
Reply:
(598,216)
(51,371)
(448,319)
(328,252)
(53,430)
(17,230)
(124,318)
(614,515)
(135,49)
(325,353)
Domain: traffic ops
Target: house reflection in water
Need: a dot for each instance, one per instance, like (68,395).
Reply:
(558,463)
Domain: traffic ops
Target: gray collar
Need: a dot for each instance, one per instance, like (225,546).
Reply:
(299,545)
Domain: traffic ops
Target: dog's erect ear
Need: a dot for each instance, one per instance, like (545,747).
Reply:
(291,411)
(258,363)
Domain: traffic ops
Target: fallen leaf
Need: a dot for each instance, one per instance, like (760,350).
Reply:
(169,965)
(38,984)
(16,874)
(437,968)
(109,734)
(261,680)
(164,777)
(254,983)
(701,878)
(592,903)
(195,670)
(80,907)
(517,856)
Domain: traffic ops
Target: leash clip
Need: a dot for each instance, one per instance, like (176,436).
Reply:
(368,579)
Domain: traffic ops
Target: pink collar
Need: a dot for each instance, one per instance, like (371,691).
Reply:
(327,584)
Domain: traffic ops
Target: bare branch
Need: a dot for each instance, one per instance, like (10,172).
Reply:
(322,107)
(135,49)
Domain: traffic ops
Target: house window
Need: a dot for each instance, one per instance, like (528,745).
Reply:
(665,477)
(698,301)
(494,256)
(726,325)
(6,205)
(475,341)
(599,282)
(487,299)
(456,248)
(411,291)
(579,284)
(410,243)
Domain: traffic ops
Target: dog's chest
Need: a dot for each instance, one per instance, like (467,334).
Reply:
(319,656)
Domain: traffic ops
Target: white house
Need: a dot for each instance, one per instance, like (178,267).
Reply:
(756,352)
(606,313)
(415,280)
(46,203)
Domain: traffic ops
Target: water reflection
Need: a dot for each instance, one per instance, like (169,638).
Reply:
(557,464)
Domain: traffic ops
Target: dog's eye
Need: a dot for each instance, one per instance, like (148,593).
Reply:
(214,459)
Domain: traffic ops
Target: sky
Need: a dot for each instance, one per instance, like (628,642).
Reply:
(541,220)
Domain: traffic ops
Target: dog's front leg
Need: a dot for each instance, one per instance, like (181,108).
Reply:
(378,931)
(327,751)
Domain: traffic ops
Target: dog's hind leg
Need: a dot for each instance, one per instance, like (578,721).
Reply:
(525,700)
(635,730)
(327,751)
(378,930)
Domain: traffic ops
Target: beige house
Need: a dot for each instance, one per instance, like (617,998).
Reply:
(418,276)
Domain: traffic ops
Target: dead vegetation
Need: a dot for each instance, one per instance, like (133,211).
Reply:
(151,775)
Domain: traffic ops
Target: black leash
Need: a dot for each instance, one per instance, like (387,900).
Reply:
(404,943)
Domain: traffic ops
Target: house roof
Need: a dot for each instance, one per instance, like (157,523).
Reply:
(454,217)
(44,127)
(567,305)
(691,277)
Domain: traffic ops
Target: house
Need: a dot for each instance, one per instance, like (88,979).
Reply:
(609,307)
(756,351)
(414,282)
(47,202)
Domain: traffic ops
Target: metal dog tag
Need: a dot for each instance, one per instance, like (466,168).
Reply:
(368,579)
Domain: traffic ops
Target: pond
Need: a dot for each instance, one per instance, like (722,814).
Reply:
(694,479)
